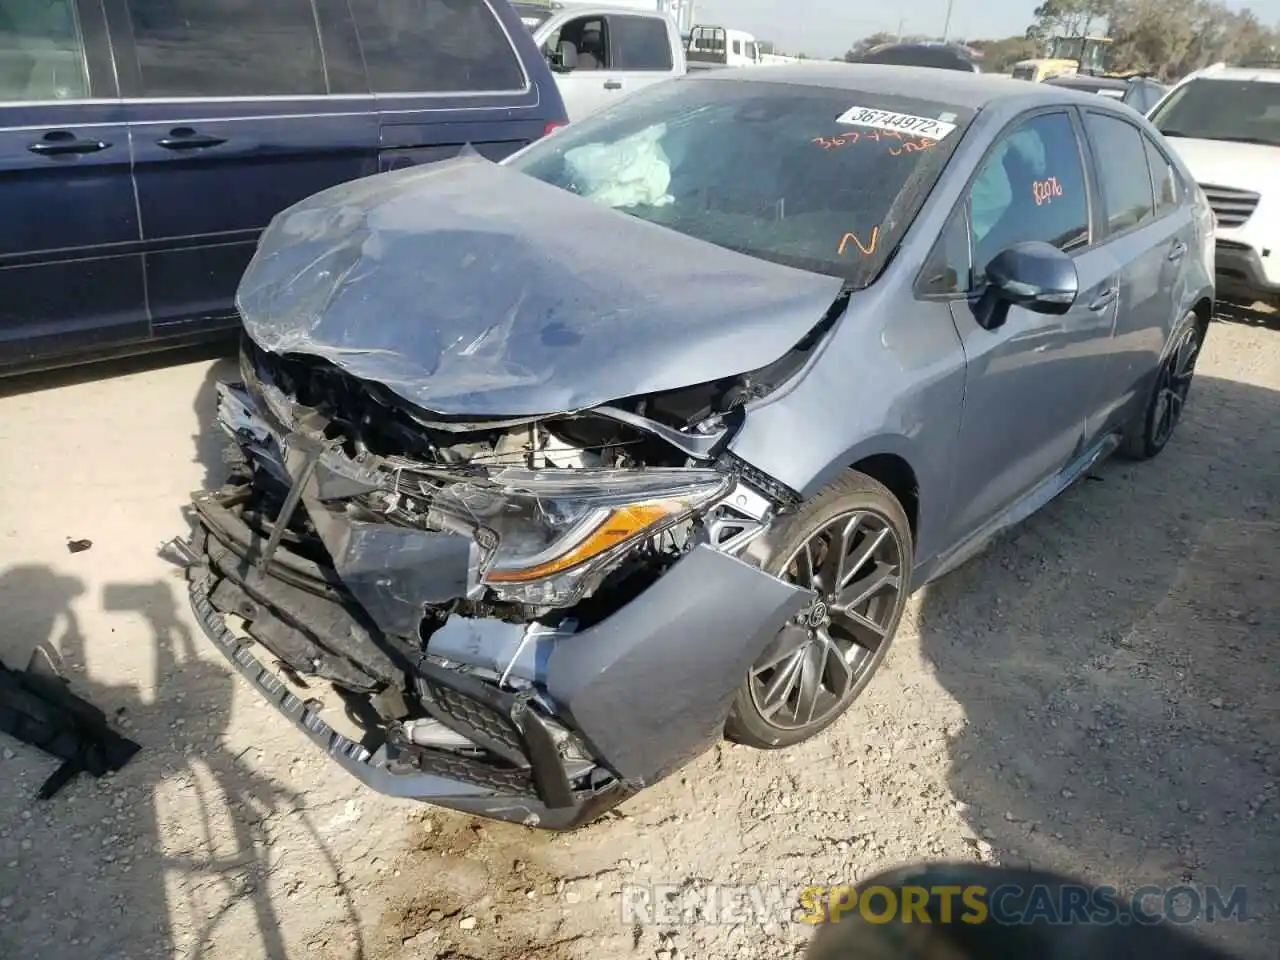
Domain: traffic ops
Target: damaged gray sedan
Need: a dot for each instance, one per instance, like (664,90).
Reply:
(552,472)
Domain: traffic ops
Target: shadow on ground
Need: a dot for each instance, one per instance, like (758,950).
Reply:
(122,869)
(171,856)
(1121,692)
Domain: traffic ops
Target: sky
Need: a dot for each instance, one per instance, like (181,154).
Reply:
(825,28)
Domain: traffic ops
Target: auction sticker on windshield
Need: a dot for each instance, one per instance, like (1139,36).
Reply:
(899,122)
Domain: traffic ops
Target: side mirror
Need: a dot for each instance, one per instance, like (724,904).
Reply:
(1033,275)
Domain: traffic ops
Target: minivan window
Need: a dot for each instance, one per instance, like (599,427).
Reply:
(41,52)
(641,43)
(227,48)
(435,46)
(777,171)
(1243,111)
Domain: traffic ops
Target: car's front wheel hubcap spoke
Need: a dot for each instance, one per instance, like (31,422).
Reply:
(853,566)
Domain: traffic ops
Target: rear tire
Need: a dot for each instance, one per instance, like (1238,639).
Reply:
(1169,395)
(851,543)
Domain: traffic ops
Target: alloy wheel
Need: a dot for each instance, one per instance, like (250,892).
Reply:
(1175,382)
(853,563)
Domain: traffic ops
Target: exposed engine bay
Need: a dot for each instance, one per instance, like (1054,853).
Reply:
(431,569)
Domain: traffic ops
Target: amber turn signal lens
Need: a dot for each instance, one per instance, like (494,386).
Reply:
(620,525)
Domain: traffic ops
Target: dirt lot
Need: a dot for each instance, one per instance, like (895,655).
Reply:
(1098,694)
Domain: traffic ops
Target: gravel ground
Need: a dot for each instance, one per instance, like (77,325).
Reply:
(1097,694)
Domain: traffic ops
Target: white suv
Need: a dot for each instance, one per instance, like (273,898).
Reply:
(1225,123)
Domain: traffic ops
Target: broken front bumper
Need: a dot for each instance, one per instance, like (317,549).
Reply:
(644,690)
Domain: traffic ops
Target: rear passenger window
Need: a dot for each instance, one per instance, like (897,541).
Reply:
(227,48)
(642,43)
(435,46)
(1122,167)
(1164,178)
(41,53)
(1031,187)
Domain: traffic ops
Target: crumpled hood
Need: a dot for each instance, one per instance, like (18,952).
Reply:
(1244,166)
(468,288)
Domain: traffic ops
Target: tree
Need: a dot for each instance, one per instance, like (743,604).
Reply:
(1070,18)
(1170,38)
(999,56)
(866,44)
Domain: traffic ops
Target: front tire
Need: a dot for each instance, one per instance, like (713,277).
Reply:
(851,544)
(1169,396)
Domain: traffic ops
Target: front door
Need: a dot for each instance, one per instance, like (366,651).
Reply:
(587,82)
(1033,381)
(232,121)
(70,260)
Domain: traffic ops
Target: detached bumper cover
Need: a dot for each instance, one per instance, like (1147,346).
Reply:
(435,776)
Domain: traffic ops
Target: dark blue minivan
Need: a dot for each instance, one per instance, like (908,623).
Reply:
(145,144)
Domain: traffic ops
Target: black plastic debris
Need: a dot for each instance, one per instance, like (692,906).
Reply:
(79,546)
(38,707)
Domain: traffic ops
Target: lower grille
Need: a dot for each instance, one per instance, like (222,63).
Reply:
(1232,207)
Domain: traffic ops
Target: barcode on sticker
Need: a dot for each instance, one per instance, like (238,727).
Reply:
(897,122)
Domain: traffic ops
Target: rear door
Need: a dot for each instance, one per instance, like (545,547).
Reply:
(642,50)
(1149,238)
(237,109)
(446,74)
(70,256)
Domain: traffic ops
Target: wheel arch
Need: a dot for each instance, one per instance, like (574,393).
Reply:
(1203,309)
(891,460)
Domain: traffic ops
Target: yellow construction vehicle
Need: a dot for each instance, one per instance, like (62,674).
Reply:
(1065,56)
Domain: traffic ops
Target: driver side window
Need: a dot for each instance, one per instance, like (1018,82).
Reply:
(1031,187)
(579,45)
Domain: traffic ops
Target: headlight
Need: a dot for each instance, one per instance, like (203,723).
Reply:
(554,528)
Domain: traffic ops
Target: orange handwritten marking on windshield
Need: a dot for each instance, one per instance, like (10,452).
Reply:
(830,143)
(867,250)
(908,146)
(912,147)
(1045,190)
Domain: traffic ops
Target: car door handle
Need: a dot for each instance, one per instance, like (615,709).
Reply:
(1178,251)
(1104,300)
(613,84)
(62,142)
(184,138)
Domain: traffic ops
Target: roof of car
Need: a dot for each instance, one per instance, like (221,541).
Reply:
(1259,74)
(950,87)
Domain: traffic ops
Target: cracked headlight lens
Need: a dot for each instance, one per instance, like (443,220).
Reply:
(554,528)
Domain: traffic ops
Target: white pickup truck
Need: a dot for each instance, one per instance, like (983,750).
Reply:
(600,54)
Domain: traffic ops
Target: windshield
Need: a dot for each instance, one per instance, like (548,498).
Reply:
(824,180)
(1247,111)
(1066,48)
